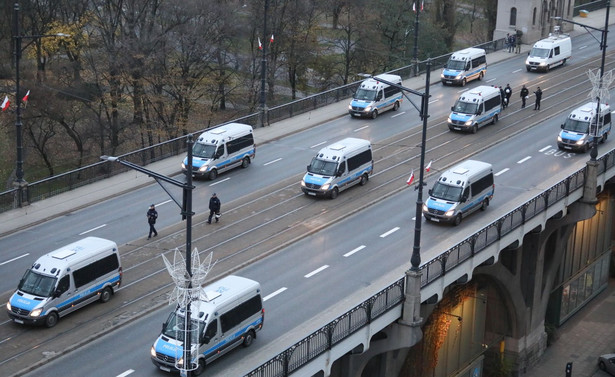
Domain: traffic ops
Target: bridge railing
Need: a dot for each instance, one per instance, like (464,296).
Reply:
(326,337)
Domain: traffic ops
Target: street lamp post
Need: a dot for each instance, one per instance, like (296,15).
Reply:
(20,183)
(415,55)
(262,118)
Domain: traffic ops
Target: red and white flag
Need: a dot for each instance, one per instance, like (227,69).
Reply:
(271,39)
(414,6)
(25,98)
(428,167)
(5,103)
(260,45)
(411,178)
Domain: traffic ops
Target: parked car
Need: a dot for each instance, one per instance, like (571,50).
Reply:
(607,363)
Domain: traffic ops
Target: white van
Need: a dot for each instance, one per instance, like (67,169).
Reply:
(65,280)
(577,132)
(221,149)
(475,108)
(460,191)
(374,97)
(338,167)
(465,65)
(229,313)
(549,52)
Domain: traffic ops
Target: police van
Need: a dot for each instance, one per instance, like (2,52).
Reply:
(221,149)
(66,279)
(337,167)
(459,191)
(578,130)
(229,314)
(549,52)
(475,108)
(465,65)
(374,97)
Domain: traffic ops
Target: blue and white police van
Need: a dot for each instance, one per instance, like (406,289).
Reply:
(475,108)
(374,97)
(579,129)
(464,66)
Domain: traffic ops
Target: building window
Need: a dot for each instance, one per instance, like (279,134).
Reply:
(513,16)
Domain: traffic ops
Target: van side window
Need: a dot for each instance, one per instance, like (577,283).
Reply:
(63,284)
(482,184)
(390,91)
(379,96)
(492,102)
(607,118)
(96,269)
(556,50)
(466,193)
(219,151)
(240,313)
(359,159)
(240,143)
(212,329)
(341,168)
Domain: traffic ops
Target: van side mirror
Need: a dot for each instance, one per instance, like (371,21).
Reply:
(308,168)
(57,293)
(430,191)
(164,326)
(452,108)
(562,126)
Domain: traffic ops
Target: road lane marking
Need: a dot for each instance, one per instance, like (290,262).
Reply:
(433,101)
(544,149)
(220,181)
(93,229)
(389,232)
(14,259)
(398,114)
(517,71)
(354,251)
(523,160)
(272,162)
(361,128)
(502,171)
(582,47)
(128,372)
(316,271)
(318,145)
(274,294)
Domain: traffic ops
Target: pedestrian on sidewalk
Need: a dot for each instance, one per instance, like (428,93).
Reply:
(152,215)
(214,208)
(524,94)
(518,48)
(538,94)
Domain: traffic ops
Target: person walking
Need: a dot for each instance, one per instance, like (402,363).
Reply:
(502,97)
(538,94)
(152,215)
(214,208)
(508,93)
(524,94)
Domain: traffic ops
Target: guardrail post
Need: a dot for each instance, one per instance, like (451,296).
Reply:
(523,211)
(473,243)
(443,259)
(330,327)
(499,228)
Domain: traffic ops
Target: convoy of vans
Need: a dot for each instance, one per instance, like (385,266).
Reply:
(465,65)
(475,108)
(337,167)
(578,130)
(65,280)
(221,149)
(459,191)
(549,52)
(229,314)
(374,97)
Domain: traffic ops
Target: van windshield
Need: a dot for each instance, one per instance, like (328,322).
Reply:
(457,65)
(322,167)
(539,52)
(37,284)
(175,328)
(465,107)
(576,126)
(203,150)
(365,94)
(446,192)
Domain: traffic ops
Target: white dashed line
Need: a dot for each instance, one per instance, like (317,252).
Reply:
(398,114)
(502,171)
(274,294)
(272,162)
(319,144)
(14,259)
(544,149)
(354,250)
(93,229)
(128,372)
(389,232)
(316,271)
(218,182)
(517,71)
(523,160)
(361,128)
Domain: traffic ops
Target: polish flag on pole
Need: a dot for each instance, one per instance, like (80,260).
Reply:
(5,103)
(428,167)
(25,98)
(260,45)
(414,6)
(271,39)
(411,178)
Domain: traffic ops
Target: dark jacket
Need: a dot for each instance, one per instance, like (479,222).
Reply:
(524,92)
(214,204)
(152,215)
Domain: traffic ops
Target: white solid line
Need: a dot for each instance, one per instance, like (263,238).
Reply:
(274,294)
(523,160)
(316,271)
(14,259)
(517,71)
(354,250)
(398,114)
(271,162)
(220,181)
(361,128)
(582,47)
(129,371)
(435,100)
(317,145)
(389,232)
(502,171)
(544,149)
(93,229)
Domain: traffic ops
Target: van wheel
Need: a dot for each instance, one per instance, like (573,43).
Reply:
(334,193)
(547,69)
(200,368)
(248,339)
(475,128)
(528,68)
(485,204)
(564,62)
(51,320)
(105,295)
(374,114)
(245,162)
(396,106)
(213,174)
(464,82)
(365,178)
(457,220)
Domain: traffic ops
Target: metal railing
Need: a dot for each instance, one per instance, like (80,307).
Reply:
(326,337)
(71,180)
